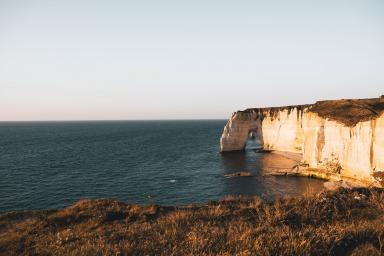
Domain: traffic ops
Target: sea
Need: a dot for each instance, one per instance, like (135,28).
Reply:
(48,165)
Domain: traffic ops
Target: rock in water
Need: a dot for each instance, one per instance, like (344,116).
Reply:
(238,174)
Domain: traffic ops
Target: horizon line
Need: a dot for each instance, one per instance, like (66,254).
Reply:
(110,120)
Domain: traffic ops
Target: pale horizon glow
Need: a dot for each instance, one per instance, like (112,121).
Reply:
(135,60)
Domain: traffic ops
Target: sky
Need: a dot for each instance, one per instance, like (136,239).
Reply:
(150,59)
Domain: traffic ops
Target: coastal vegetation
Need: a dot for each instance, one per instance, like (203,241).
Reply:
(335,139)
(342,222)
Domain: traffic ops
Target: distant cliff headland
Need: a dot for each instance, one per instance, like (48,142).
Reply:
(335,139)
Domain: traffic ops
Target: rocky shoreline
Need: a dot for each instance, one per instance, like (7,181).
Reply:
(333,180)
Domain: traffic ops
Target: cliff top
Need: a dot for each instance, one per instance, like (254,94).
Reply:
(349,111)
(346,111)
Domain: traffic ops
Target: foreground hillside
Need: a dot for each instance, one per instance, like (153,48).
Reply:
(345,222)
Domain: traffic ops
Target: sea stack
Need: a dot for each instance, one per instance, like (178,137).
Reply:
(336,139)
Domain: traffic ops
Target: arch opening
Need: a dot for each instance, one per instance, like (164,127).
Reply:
(254,140)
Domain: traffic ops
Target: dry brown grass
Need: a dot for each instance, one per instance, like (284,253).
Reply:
(345,222)
(346,111)
(349,112)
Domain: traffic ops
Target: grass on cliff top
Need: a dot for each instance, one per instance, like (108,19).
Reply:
(349,112)
(346,111)
(345,222)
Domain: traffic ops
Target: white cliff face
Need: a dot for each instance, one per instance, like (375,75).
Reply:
(378,144)
(283,132)
(236,131)
(355,152)
(337,148)
(276,130)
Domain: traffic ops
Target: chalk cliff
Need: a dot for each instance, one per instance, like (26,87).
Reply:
(336,139)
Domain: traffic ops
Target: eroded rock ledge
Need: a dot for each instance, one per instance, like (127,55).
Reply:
(336,138)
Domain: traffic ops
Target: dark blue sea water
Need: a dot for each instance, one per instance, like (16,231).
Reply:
(53,164)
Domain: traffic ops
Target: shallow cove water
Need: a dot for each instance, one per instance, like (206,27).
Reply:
(46,165)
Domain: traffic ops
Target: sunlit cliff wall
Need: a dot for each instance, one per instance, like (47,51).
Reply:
(341,137)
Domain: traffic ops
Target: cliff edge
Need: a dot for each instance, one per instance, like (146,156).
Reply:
(336,139)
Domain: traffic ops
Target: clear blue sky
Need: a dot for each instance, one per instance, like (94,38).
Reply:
(71,60)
